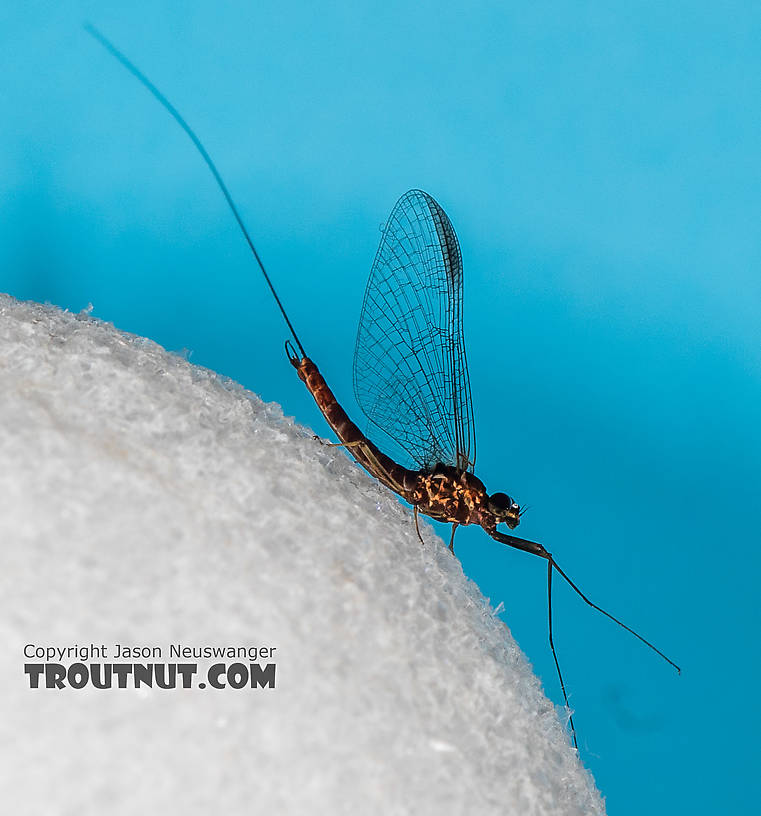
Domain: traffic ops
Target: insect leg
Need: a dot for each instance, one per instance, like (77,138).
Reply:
(374,467)
(451,540)
(417,527)
(608,615)
(538,549)
(520,543)
(337,444)
(550,565)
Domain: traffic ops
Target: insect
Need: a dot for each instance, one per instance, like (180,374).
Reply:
(410,375)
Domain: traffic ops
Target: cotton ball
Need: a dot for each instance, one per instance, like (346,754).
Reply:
(150,503)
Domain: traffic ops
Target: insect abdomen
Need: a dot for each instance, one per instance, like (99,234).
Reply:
(393,475)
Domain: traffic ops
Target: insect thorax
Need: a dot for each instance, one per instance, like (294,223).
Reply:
(451,495)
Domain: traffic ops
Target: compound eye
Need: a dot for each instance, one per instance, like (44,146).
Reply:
(500,503)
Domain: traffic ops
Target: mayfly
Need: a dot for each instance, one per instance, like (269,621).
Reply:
(410,374)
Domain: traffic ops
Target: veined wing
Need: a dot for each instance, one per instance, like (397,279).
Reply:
(410,369)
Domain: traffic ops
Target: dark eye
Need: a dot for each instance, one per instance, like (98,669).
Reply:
(499,503)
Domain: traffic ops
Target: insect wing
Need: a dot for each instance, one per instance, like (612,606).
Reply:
(410,368)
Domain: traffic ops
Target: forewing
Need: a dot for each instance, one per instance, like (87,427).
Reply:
(410,369)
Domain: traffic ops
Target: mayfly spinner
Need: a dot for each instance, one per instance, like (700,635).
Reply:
(410,374)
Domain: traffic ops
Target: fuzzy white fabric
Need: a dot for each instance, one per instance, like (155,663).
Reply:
(146,501)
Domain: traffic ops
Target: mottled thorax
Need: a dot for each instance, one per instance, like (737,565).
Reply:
(451,495)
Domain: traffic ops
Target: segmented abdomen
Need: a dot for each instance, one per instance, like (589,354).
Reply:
(384,468)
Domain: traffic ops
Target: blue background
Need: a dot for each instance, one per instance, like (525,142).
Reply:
(600,163)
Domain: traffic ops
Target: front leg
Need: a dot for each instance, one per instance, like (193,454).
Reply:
(520,543)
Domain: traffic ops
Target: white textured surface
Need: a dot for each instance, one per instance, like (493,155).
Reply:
(146,501)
